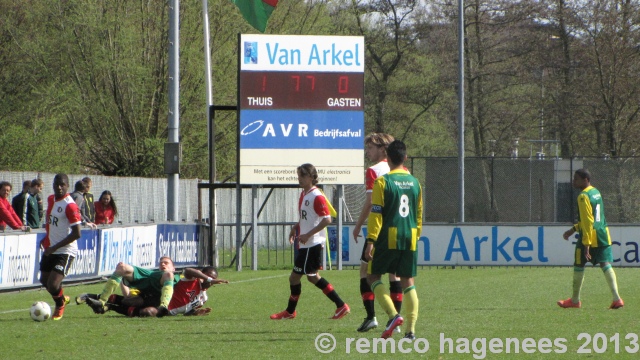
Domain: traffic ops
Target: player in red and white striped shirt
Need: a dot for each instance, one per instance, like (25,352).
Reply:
(60,248)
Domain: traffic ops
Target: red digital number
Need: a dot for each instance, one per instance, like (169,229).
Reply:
(296,82)
(312,81)
(343,84)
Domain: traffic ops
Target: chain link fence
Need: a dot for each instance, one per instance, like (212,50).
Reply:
(502,190)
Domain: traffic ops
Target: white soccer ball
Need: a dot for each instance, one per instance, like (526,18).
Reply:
(40,311)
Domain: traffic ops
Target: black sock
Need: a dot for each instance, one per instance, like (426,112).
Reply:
(328,290)
(296,290)
(367,298)
(395,288)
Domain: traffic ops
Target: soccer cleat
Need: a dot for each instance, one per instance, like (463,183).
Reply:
(162,311)
(59,311)
(391,325)
(341,312)
(282,315)
(82,298)
(569,304)
(617,304)
(368,324)
(411,336)
(96,305)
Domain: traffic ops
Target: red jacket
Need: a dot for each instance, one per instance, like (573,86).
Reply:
(8,216)
(104,215)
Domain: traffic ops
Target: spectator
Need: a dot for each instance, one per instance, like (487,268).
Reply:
(106,209)
(78,197)
(19,202)
(7,215)
(88,199)
(31,215)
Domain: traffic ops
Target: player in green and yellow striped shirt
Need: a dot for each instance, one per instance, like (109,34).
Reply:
(594,241)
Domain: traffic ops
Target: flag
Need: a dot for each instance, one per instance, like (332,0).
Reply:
(256,12)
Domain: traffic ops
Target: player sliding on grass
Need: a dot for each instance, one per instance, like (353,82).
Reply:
(155,286)
(314,217)
(394,226)
(594,241)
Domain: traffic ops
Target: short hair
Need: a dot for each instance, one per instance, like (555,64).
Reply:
(310,170)
(6,183)
(166,257)
(37,182)
(26,184)
(87,180)
(79,186)
(210,270)
(63,177)
(378,139)
(584,174)
(396,152)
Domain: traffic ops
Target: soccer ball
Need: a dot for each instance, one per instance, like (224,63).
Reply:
(40,311)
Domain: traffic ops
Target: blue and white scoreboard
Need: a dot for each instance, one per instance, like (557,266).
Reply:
(300,100)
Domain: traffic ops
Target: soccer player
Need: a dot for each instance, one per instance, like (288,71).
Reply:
(594,241)
(394,226)
(375,146)
(155,286)
(189,295)
(60,247)
(314,217)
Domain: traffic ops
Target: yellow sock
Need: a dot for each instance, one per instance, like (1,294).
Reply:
(167,293)
(411,304)
(610,275)
(111,286)
(578,277)
(382,295)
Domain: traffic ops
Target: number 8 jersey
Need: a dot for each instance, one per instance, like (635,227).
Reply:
(396,214)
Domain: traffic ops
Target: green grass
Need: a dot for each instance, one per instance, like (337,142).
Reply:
(459,303)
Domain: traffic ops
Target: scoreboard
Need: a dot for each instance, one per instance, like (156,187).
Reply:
(300,100)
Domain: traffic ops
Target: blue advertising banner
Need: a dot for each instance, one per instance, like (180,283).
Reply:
(180,243)
(297,129)
(86,261)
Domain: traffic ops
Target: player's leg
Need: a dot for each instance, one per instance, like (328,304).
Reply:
(166,293)
(384,261)
(295,287)
(368,299)
(122,271)
(62,263)
(395,290)
(407,271)
(604,256)
(578,277)
(342,309)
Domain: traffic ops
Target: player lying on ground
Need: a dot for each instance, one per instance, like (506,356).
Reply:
(189,296)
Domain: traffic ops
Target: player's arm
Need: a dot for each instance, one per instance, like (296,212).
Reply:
(419,212)
(374,225)
(586,220)
(191,273)
(364,214)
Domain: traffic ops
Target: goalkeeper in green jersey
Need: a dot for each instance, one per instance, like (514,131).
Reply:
(594,241)
(394,226)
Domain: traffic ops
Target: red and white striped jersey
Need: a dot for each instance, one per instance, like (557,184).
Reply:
(188,295)
(62,214)
(313,207)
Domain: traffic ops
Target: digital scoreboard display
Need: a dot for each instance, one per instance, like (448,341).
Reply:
(300,100)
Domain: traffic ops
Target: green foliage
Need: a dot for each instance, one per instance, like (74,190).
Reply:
(479,303)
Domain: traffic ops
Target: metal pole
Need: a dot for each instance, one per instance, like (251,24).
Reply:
(461,106)
(339,224)
(238,227)
(213,222)
(173,180)
(254,227)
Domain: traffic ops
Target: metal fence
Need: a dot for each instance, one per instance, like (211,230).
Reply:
(496,190)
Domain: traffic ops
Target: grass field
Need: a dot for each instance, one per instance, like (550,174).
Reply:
(474,304)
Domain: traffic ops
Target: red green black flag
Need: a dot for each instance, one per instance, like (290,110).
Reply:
(256,12)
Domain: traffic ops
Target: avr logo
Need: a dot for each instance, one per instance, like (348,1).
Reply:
(270,129)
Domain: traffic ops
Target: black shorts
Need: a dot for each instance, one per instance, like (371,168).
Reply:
(308,261)
(60,263)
